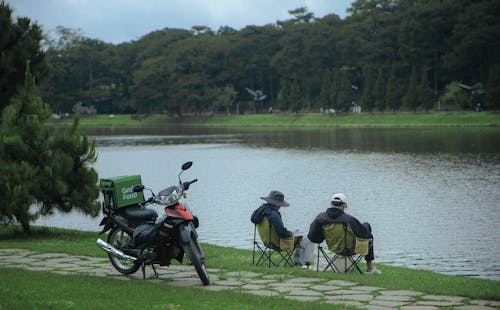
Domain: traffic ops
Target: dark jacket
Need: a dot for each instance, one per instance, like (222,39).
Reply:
(274,216)
(335,215)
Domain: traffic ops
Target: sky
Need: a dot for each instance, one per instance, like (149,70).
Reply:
(117,21)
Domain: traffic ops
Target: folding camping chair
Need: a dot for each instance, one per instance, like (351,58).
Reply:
(272,244)
(347,249)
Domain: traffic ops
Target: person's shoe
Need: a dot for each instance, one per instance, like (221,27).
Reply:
(373,271)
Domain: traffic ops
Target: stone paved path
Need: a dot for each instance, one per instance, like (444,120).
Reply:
(302,289)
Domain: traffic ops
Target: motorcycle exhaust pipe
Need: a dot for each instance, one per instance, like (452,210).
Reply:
(114,251)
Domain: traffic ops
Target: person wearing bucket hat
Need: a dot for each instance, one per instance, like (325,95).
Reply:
(336,214)
(274,201)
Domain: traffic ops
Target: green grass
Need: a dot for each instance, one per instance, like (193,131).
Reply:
(273,121)
(43,290)
(83,243)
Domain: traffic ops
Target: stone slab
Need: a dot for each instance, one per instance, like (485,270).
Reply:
(443,298)
(14,251)
(228,282)
(302,298)
(356,297)
(394,298)
(341,283)
(305,293)
(347,303)
(261,281)
(324,287)
(401,293)
(185,283)
(390,304)
(252,287)
(303,280)
(493,303)
(343,292)
(438,303)
(365,288)
(48,255)
(217,287)
(38,268)
(262,293)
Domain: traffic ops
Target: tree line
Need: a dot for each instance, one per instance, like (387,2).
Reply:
(386,55)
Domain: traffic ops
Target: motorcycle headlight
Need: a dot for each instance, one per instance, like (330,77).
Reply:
(170,199)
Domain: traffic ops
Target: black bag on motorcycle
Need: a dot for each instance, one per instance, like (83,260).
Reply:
(146,235)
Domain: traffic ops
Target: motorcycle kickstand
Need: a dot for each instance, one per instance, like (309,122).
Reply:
(144,271)
(154,270)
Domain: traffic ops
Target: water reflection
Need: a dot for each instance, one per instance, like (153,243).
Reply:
(411,140)
(432,201)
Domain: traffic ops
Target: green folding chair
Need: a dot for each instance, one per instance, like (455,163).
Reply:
(272,245)
(346,249)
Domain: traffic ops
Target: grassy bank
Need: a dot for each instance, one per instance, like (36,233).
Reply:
(83,243)
(270,121)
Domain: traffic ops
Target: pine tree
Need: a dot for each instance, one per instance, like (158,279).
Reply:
(344,96)
(283,95)
(426,96)
(368,98)
(325,96)
(379,91)
(40,169)
(392,94)
(410,100)
(493,88)
(296,98)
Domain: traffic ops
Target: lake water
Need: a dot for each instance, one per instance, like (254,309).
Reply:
(432,196)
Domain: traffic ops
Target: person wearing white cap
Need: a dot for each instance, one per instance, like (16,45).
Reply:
(336,214)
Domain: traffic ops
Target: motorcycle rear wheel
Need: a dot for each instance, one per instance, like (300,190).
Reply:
(117,238)
(197,258)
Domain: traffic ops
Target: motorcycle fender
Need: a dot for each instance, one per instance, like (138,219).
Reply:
(185,233)
(108,224)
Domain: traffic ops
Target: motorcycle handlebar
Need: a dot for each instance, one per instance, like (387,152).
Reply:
(185,185)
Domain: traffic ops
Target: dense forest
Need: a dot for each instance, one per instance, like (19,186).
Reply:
(386,55)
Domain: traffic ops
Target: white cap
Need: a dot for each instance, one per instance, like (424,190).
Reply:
(339,198)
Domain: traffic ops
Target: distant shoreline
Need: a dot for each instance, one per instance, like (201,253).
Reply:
(293,121)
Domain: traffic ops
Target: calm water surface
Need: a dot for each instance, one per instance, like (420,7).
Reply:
(431,195)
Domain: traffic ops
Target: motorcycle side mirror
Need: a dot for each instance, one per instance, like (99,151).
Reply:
(187,165)
(138,188)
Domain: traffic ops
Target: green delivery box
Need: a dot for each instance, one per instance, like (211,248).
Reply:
(119,191)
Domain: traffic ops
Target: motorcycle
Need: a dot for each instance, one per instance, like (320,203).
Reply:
(137,237)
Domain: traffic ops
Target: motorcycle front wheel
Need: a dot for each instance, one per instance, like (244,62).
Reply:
(197,258)
(117,238)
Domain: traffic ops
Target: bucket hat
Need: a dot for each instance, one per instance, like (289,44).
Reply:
(276,198)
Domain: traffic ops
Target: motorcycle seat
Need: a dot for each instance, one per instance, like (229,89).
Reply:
(137,213)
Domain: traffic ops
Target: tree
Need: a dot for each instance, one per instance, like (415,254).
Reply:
(344,95)
(19,41)
(393,91)
(225,98)
(39,169)
(368,98)
(295,96)
(326,95)
(284,95)
(493,88)
(379,91)
(425,93)
(454,97)
(410,100)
